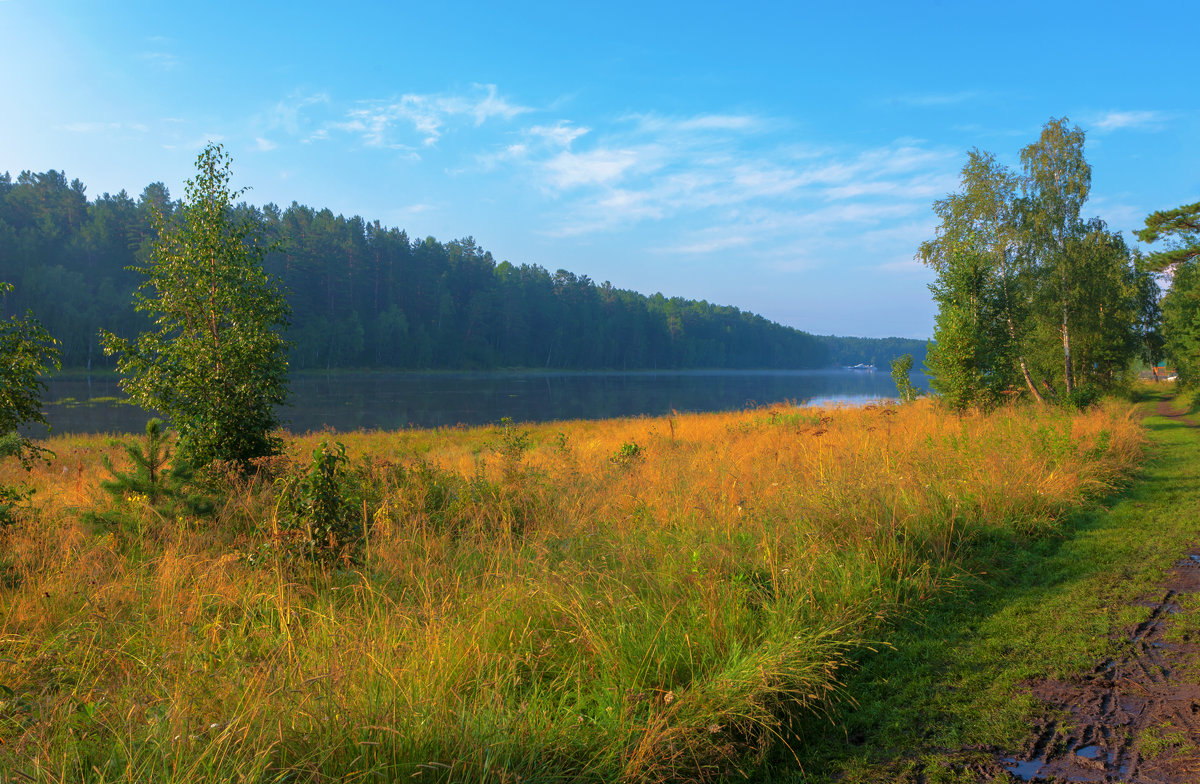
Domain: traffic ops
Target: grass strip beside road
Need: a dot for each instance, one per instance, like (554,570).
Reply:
(949,691)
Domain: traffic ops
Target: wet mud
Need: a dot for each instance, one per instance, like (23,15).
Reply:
(1136,717)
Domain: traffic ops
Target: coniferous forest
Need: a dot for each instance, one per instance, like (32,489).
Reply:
(364,295)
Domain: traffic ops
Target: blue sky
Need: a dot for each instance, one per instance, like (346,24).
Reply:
(781,157)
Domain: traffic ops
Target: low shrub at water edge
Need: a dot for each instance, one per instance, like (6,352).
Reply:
(523,606)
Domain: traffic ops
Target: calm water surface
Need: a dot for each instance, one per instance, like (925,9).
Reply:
(388,401)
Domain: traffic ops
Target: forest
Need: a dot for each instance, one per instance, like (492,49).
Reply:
(364,295)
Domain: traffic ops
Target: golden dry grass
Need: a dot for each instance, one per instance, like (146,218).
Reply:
(585,609)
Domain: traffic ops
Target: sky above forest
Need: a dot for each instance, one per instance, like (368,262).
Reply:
(780,157)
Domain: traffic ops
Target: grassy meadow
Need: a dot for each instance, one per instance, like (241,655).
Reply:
(622,600)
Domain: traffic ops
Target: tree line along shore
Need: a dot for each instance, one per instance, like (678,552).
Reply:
(363,295)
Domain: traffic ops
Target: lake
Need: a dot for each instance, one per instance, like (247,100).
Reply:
(387,401)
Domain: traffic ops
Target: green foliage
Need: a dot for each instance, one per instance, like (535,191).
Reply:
(10,499)
(1181,305)
(1181,322)
(167,486)
(367,295)
(512,444)
(847,351)
(1030,295)
(215,364)
(317,513)
(627,455)
(1083,397)
(964,360)
(1181,227)
(901,370)
(27,351)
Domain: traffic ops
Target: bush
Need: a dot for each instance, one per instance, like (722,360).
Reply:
(317,515)
(167,489)
(628,455)
(1082,398)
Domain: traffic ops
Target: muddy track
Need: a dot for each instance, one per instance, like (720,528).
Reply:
(1164,409)
(1136,717)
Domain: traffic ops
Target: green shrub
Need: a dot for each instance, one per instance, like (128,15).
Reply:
(168,489)
(628,455)
(317,513)
(512,443)
(1082,398)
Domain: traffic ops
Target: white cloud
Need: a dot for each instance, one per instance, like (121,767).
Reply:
(561,134)
(265,145)
(699,123)
(429,115)
(716,242)
(740,190)
(293,115)
(1113,121)
(598,167)
(717,187)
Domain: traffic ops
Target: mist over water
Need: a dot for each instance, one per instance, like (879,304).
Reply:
(388,401)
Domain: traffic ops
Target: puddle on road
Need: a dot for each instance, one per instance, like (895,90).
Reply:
(1023,770)
(1090,752)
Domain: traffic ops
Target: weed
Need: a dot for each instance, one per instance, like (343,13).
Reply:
(316,514)
(512,444)
(627,455)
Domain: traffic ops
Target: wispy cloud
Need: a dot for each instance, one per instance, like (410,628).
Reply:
(1145,120)
(264,145)
(595,167)
(720,172)
(379,122)
(700,123)
(294,115)
(711,183)
(560,134)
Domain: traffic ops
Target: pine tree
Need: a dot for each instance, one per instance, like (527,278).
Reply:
(166,484)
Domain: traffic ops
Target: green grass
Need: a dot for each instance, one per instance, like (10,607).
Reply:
(949,682)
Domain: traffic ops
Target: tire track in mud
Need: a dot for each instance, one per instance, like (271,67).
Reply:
(1136,717)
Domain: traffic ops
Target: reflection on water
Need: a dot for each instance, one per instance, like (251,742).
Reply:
(387,401)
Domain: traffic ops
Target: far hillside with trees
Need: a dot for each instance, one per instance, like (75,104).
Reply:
(364,295)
